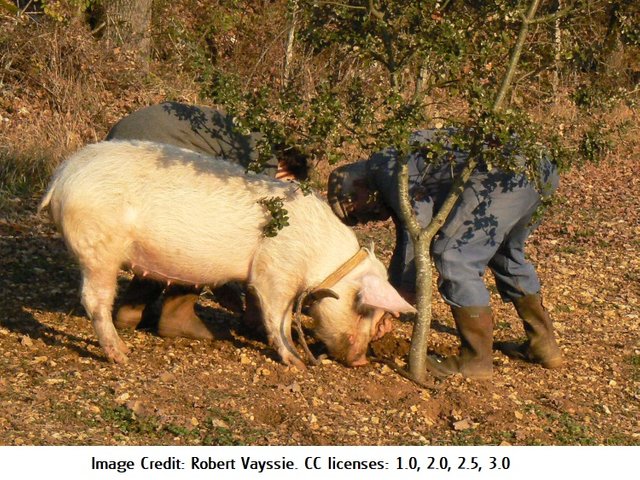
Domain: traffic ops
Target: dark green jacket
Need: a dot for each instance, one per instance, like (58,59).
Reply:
(202,129)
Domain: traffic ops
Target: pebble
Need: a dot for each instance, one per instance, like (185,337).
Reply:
(167,377)
(122,398)
(465,424)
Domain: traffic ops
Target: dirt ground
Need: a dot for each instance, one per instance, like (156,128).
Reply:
(56,387)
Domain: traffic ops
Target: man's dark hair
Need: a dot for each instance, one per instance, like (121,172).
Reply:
(296,160)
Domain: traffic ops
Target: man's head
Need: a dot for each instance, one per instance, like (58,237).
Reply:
(351,197)
(293,162)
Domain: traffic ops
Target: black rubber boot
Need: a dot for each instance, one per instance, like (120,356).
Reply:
(139,296)
(252,323)
(475,360)
(230,296)
(178,317)
(541,346)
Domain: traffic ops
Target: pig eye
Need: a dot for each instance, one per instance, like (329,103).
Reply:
(364,310)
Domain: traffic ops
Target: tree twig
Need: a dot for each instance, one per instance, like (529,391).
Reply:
(264,54)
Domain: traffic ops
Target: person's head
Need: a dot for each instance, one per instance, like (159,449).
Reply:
(351,196)
(292,163)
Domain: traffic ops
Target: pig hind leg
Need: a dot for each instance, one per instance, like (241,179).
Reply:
(98,292)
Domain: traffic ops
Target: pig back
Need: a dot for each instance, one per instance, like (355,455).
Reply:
(169,211)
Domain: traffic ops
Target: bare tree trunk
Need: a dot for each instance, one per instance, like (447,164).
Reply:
(422,237)
(422,325)
(555,83)
(127,24)
(423,74)
(290,42)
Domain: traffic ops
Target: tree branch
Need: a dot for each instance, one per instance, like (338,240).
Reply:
(552,16)
(387,40)
(344,5)
(408,217)
(375,12)
(515,55)
(288,58)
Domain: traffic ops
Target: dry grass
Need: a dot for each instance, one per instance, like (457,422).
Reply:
(60,88)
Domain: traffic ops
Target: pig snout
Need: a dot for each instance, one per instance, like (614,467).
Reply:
(382,327)
(350,349)
(356,355)
(359,362)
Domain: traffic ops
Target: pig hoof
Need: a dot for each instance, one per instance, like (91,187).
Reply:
(115,355)
(290,359)
(117,352)
(299,365)
(122,347)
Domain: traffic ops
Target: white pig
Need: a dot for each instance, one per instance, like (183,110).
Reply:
(179,216)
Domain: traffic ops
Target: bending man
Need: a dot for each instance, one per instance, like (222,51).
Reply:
(488,227)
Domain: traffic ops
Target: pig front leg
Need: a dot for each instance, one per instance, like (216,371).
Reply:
(277,322)
(98,292)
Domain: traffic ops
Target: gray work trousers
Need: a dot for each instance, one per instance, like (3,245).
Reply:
(488,227)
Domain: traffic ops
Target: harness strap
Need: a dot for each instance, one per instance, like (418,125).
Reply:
(343,270)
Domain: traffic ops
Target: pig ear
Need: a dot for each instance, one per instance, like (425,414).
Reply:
(378,293)
(319,294)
